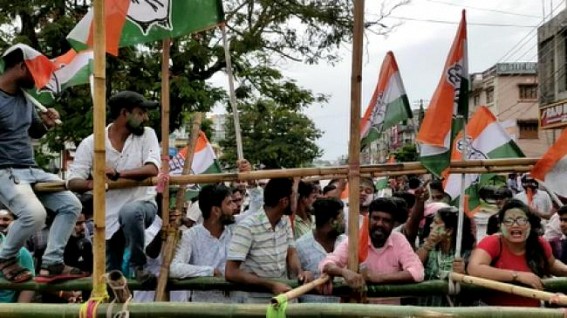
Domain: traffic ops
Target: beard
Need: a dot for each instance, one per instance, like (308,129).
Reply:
(287,210)
(26,82)
(227,219)
(137,130)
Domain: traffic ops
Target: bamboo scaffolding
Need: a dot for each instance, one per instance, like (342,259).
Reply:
(473,166)
(168,248)
(354,143)
(300,290)
(207,310)
(99,176)
(427,288)
(165,111)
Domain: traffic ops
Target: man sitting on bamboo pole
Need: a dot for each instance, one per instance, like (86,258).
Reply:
(132,152)
(262,247)
(202,248)
(390,257)
(19,123)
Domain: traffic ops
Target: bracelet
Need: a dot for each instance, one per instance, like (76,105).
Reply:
(60,294)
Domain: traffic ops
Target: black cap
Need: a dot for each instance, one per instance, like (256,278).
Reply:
(129,99)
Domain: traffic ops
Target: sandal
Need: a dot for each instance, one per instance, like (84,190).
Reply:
(14,272)
(58,272)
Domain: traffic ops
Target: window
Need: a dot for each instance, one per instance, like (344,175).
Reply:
(476,100)
(490,95)
(528,91)
(529,129)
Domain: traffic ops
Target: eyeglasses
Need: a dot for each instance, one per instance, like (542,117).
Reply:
(520,221)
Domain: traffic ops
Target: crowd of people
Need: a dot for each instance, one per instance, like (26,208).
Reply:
(253,234)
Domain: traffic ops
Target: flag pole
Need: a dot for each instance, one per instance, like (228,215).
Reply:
(164,171)
(461,219)
(99,176)
(354,144)
(237,132)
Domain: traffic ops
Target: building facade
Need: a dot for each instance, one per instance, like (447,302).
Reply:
(552,59)
(510,91)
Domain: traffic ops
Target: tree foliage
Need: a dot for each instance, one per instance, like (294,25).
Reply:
(407,153)
(262,35)
(273,136)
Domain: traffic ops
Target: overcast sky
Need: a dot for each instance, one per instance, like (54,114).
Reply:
(498,31)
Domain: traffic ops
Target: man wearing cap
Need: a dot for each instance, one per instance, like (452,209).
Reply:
(539,201)
(19,123)
(132,152)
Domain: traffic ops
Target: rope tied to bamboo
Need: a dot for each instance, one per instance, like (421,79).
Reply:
(454,288)
(118,283)
(89,308)
(163,177)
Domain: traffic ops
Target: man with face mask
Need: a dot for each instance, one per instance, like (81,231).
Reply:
(132,152)
(262,247)
(314,246)
(202,249)
(538,201)
(19,123)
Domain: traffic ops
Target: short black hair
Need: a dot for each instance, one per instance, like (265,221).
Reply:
(329,188)
(562,210)
(436,185)
(237,189)
(305,189)
(503,193)
(414,183)
(326,209)
(212,195)
(403,212)
(13,58)
(386,205)
(277,189)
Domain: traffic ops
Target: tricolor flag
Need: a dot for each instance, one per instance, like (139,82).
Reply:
(486,139)
(552,167)
(389,104)
(38,64)
(204,160)
(132,22)
(449,101)
(72,69)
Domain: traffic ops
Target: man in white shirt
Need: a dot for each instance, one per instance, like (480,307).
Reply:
(132,152)
(203,248)
(539,201)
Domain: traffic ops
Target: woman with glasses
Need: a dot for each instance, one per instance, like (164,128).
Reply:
(438,251)
(516,255)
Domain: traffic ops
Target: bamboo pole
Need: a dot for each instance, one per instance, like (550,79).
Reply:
(354,144)
(511,289)
(323,172)
(99,176)
(165,110)
(301,290)
(168,248)
(232,94)
(426,288)
(208,310)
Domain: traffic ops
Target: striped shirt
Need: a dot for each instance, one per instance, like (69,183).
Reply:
(198,254)
(302,226)
(261,249)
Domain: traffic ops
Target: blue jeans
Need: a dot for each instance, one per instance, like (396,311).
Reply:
(134,218)
(17,194)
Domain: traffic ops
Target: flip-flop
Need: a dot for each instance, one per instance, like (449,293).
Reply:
(14,272)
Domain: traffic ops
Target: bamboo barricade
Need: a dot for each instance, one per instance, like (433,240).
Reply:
(301,290)
(168,248)
(511,289)
(208,310)
(99,123)
(472,166)
(165,111)
(354,142)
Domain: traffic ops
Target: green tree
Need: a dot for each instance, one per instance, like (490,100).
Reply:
(407,153)
(262,34)
(273,136)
